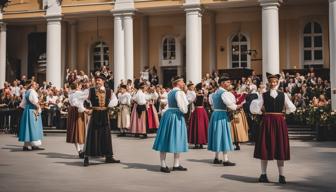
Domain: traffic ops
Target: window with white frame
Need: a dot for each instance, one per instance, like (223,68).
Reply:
(169,48)
(239,51)
(313,45)
(100,55)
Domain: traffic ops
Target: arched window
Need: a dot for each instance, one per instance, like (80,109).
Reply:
(169,48)
(312,45)
(239,47)
(100,55)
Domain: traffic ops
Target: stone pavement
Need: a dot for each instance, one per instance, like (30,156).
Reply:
(312,169)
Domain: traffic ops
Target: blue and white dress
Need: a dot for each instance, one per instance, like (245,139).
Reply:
(31,129)
(172,133)
(219,132)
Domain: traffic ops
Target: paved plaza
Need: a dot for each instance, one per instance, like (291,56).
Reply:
(58,169)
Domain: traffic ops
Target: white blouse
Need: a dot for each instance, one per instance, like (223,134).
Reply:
(140,97)
(76,99)
(181,99)
(124,98)
(33,98)
(228,98)
(257,104)
(191,96)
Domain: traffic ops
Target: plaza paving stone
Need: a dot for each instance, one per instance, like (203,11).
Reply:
(311,169)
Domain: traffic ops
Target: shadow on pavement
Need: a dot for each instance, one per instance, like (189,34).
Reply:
(240,178)
(16,149)
(80,163)
(207,161)
(151,168)
(59,155)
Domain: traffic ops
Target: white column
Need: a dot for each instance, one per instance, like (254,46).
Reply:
(73,45)
(54,74)
(270,37)
(144,43)
(2,53)
(200,51)
(63,51)
(212,42)
(119,56)
(332,38)
(129,56)
(193,52)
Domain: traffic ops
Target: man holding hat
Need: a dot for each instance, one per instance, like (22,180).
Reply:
(272,138)
(219,131)
(172,133)
(98,141)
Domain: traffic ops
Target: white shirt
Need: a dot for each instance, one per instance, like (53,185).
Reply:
(15,91)
(181,99)
(191,96)
(228,98)
(124,98)
(140,97)
(33,98)
(152,96)
(257,104)
(164,98)
(52,99)
(76,99)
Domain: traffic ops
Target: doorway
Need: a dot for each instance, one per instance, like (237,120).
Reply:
(167,74)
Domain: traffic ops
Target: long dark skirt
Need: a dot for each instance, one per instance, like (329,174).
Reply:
(272,139)
(98,140)
(198,127)
(75,126)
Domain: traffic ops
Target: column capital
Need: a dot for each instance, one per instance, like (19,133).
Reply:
(192,6)
(54,18)
(123,7)
(270,3)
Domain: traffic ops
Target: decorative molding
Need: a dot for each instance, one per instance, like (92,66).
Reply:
(270,3)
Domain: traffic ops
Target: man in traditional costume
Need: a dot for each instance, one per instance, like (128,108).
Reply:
(172,133)
(219,131)
(31,130)
(138,116)
(124,113)
(76,118)
(272,139)
(98,140)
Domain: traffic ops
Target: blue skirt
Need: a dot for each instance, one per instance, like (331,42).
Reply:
(30,127)
(172,133)
(219,132)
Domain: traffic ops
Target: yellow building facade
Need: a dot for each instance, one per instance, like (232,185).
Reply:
(86,34)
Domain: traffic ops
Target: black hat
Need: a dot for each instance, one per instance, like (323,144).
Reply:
(176,79)
(199,86)
(123,86)
(101,76)
(224,77)
(142,85)
(271,76)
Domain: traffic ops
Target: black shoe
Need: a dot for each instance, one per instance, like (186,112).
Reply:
(121,135)
(282,179)
(165,170)
(144,136)
(25,149)
(237,148)
(196,147)
(228,163)
(136,135)
(263,178)
(81,154)
(200,147)
(217,161)
(179,168)
(34,148)
(111,160)
(86,161)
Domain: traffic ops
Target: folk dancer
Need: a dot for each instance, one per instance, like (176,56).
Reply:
(272,139)
(172,133)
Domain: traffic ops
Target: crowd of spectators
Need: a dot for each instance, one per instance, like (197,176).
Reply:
(303,89)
